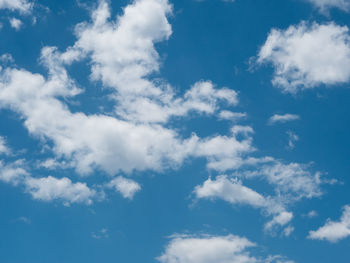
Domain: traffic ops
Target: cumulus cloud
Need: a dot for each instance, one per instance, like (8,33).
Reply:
(334,231)
(50,188)
(103,141)
(283,118)
(127,187)
(324,5)
(232,191)
(135,138)
(306,56)
(22,6)
(13,173)
(44,188)
(123,64)
(290,182)
(213,249)
(229,190)
(207,249)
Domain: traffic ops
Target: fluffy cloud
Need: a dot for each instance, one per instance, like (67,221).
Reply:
(226,152)
(229,190)
(103,141)
(44,188)
(308,55)
(50,188)
(232,191)
(324,5)
(22,6)
(210,249)
(290,182)
(135,138)
(124,64)
(123,52)
(283,118)
(13,173)
(207,249)
(334,231)
(127,187)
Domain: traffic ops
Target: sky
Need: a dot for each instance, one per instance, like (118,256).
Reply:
(183,131)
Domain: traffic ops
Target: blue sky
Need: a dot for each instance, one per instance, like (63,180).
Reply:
(174,131)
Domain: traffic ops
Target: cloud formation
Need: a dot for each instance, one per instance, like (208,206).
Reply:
(334,231)
(290,182)
(213,249)
(127,187)
(325,5)
(23,6)
(210,249)
(276,118)
(306,56)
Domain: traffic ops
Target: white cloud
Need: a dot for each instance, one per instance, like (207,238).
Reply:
(229,190)
(6,58)
(207,249)
(22,6)
(123,52)
(16,23)
(283,118)
(308,55)
(280,219)
(124,64)
(324,5)
(233,116)
(288,231)
(213,249)
(131,140)
(114,145)
(334,231)
(136,137)
(50,188)
(127,187)
(52,164)
(45,188)
(225,152)
(232,191)
(290,182)
(12,173)
(3,147)
(293,181)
